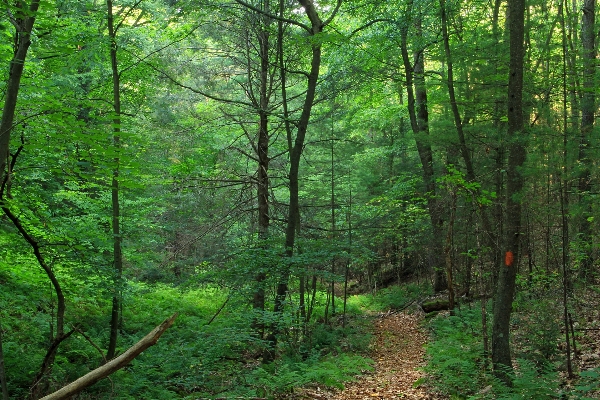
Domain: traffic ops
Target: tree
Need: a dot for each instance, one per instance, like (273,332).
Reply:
(588,109)
(293,216)
(117,266)
(419,121)
(503,298)
(22,17)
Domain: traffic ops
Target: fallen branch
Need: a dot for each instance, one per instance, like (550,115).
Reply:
(113,365)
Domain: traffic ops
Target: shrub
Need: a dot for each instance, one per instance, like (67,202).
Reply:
(398,297)
(285,375)
(456,354)
(457,364)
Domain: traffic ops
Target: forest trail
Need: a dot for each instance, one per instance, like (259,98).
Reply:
(399,352)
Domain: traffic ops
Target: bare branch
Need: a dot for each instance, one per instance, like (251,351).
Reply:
(113,365)
(137,3)
(276,17)
(333,14)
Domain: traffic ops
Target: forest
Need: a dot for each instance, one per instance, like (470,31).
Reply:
(262,183)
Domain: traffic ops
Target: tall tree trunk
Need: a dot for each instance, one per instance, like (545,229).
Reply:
(565,189)
(40,382)
(293,219)
(501,356)
(3,383)
(419,119)
(116,211)
(298,146)
(464,150)
(499,161)
(23,27)
(588,109)
(263,158)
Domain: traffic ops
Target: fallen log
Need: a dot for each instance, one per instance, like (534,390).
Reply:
(113,365)
(435,305)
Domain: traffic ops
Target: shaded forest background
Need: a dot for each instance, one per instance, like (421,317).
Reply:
(265,168)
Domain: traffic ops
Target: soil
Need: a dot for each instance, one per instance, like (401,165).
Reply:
(398,352)
(399,355)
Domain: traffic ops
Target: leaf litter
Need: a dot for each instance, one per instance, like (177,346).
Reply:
(399,355)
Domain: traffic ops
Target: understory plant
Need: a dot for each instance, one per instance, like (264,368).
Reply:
(458,366)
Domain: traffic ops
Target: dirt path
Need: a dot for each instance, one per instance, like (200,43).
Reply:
(398,352)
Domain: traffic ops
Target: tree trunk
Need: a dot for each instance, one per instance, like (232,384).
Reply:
(263,158)
(293,219)
(116,212)
(449,250)
(501,356)
(3,383)
(41,379)
(588,108)
(23,27)
(419,118)
(112,366)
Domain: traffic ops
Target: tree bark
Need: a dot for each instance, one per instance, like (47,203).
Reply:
(258,301)
(501,355)
(419,121)
(3,383)
(40,381)
(296,151)
(114,365)
(116,211)
(588,108)
(23,27)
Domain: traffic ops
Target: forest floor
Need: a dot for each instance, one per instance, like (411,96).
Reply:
(398,352)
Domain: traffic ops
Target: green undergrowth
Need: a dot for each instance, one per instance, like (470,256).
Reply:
(459,368)
(210,352)
(392,298)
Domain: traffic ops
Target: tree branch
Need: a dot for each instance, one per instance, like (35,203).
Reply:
(113,365)
(276,17)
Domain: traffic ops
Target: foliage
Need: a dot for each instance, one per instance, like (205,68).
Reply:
(190,76)
(399,296)
(458,367)
(455,355)
(588,385)
(286,375)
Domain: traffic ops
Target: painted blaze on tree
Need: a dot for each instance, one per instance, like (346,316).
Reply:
(509,258)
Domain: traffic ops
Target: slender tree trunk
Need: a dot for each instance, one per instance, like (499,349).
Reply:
(296,148)
(419,119)
(333,230)
(347,270)
(23,27)
(3,383)
(449,249)
(464,150)
(40,381)
(116,211)
(565,277)
(588,109)
(294,208)
(501,355)
(263,158)
(565,191)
